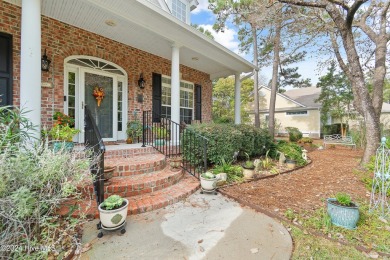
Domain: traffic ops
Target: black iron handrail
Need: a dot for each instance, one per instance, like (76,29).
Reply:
(94,143)
(173,139)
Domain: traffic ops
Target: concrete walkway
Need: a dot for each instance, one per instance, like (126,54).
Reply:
(203,226)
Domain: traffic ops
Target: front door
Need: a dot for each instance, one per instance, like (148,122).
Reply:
(99,94)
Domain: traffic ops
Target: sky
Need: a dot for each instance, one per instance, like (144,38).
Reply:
(205,18)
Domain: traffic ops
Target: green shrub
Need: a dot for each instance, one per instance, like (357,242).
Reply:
(294,134)
(305,140)
(33,182)
(14,128)
(234,172)
(291,151)
(224,140)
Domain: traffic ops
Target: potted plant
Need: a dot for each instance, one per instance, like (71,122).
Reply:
(62,136)
(343,211)
(208,182)
(160,133)
(249,168)
(134,129)
(108,172)
(291,163)
(175,162)
(113,211)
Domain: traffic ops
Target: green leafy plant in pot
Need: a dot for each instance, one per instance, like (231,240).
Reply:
(342,211)
(249,168)
(160,133)
(113,211)
(208,182)
(62,136)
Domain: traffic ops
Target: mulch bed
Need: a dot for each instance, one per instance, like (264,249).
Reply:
(305,189)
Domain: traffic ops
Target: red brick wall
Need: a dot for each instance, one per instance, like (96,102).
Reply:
(62,40)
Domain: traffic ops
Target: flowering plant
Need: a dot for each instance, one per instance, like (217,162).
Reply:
(62,119)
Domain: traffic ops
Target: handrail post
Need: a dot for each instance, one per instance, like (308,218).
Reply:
(205,155)
(143,129)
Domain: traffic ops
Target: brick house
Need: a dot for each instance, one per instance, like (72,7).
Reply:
(142,53)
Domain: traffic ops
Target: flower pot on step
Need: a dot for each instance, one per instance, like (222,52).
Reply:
(108,172)
(63,146)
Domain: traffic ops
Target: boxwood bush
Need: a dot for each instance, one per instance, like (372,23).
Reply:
(225,139)
(294,134)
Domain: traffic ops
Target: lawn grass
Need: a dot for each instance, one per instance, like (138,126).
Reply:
(307,246)
(371,233)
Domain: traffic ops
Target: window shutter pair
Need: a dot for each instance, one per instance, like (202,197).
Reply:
(156,98)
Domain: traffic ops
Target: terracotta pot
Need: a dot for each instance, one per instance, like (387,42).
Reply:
(175,162)
(108,172)
(129,140)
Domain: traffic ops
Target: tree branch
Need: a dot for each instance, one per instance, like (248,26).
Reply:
(317,4)
(364,27)
(340,3)
(352,11)
(336,49)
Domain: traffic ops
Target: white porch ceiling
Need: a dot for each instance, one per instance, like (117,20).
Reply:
(142,25)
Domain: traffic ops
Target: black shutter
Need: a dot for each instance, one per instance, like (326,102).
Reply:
(198,102)
(156,95)
(5,69)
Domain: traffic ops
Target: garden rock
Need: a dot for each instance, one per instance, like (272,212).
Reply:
(222,179)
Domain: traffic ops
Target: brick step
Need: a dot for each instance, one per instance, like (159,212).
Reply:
(138,184)
(141,203)
(140,164)
(121,151)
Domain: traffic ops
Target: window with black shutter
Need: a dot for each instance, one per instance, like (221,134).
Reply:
(198,102)
(5,69)
(156,97)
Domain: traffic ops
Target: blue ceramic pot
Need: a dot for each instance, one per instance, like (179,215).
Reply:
(63,146)
(342,216)
(159,142)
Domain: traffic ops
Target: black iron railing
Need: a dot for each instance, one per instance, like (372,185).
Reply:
(194,152)
(173,139)
(161,133)
(94,144)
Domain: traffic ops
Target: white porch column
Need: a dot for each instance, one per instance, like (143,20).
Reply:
(175,91)
(237,99)
(30,62)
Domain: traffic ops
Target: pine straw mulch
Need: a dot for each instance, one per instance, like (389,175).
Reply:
(331,171)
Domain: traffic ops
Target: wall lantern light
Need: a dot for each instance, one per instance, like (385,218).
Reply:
(141,81)
(45,62)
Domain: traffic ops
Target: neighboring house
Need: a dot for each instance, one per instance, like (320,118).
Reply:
(297,108)
(143,54)
(293,108)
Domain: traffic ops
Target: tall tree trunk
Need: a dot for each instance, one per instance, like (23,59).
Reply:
(256,78)
(274,83)
(362,99)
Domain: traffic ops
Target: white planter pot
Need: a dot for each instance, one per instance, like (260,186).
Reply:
(208,184)
(113,218)
(248,173)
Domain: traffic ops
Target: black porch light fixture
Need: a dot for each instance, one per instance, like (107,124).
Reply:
(141,81)
(45,62)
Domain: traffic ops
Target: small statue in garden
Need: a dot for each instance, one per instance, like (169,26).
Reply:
(282,158)
(257,164)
